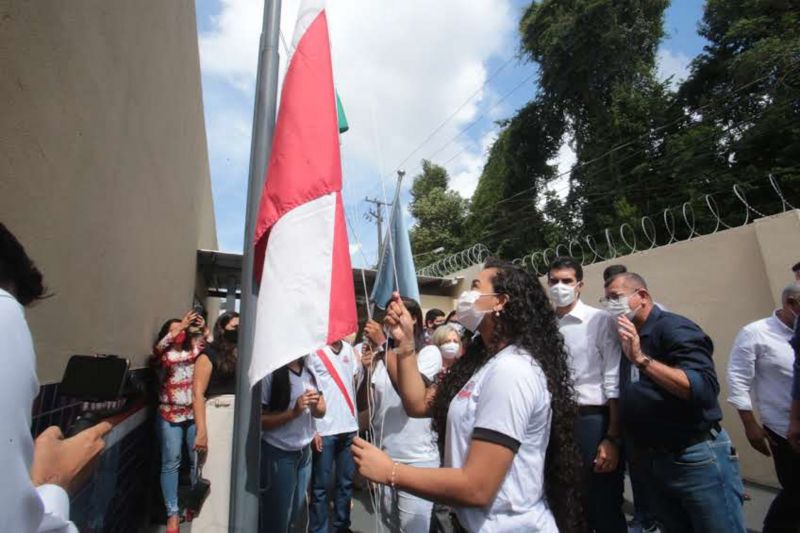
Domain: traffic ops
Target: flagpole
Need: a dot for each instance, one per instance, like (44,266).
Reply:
(243,510)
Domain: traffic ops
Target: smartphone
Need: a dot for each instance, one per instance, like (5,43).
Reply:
(94,378)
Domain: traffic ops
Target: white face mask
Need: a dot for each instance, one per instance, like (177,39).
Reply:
(466,314)
(621,306)
(563,295)
(450,350)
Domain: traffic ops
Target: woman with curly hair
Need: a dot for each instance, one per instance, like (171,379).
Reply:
(505,413)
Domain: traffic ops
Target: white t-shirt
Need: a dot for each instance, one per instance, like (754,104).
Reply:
(23,507)
(506,401)
(406,440)
(297,433)
(338,416)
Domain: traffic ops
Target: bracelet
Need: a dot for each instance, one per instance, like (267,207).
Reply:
(393,476)
(408,351)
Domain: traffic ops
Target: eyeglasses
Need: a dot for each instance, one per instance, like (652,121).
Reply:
(615,298)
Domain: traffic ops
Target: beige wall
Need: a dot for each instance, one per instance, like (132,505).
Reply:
(723,282)
(104,170)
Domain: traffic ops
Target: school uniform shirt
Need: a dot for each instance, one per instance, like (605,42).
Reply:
(505,402)
(299,432)
(593,348)
(339,418)
(761,365)
(406,440)
(23,507)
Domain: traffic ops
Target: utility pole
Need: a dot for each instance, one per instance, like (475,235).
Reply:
(377,216)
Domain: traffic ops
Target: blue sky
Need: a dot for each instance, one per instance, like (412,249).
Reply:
(401,70)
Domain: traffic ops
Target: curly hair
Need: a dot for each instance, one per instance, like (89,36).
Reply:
(529,322)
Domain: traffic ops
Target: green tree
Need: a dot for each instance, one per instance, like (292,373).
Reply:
(439,213)
(504,214)
(747,83)
(598,61)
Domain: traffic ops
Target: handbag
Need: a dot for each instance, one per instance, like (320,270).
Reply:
(195,496)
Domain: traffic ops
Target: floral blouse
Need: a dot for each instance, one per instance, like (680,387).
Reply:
(175,396)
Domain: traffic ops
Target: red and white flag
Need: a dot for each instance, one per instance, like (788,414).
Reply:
(302,257)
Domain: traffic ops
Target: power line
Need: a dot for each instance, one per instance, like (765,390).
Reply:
(475,121)
(508,221)
(458,109)
(628,143)
(649,133)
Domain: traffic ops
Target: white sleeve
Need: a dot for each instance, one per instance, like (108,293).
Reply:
(23,507)
(741,371)
(56,510)
(610,352)
(506,403)
(429,362)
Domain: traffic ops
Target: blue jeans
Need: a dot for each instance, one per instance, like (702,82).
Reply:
(784,513)
(284,482)
(335,451)
(603,494)
(698,489)
(641,506)
(172,437)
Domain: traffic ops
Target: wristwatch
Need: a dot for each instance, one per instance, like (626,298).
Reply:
(643,364)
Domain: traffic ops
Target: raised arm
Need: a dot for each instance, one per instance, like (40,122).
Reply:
(674,380)
(410,385)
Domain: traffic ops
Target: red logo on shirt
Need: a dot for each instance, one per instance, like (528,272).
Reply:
(346,360)
(466,391)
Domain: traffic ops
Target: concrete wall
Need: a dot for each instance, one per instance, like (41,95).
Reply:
(721,281)
(104,175)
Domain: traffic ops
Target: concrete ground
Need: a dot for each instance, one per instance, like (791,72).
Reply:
(364,520)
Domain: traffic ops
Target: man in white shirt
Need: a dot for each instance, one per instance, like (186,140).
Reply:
(337,369)
(761,365)
(36,478)
(594,354)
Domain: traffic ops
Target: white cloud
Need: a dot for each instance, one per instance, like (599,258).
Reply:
(468,166)
(675,64)
(355,249)
(400,68)
(410,62)
(564,161)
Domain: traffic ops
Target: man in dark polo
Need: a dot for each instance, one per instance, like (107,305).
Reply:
(670,414)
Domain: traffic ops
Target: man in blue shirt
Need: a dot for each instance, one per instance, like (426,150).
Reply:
(670,414)
(794,421)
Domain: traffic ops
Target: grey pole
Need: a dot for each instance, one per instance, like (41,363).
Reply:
(247,417)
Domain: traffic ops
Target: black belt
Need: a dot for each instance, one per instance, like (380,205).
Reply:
(592,409)
(703,436)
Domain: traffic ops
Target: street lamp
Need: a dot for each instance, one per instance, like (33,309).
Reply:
(434,251)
